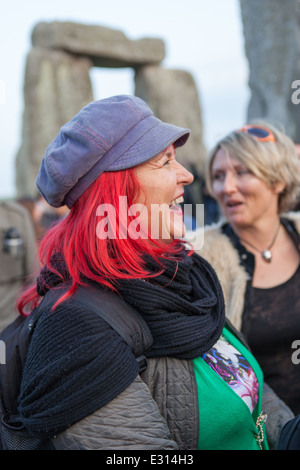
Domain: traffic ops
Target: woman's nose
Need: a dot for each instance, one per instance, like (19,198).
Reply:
(184,176)
(229,183)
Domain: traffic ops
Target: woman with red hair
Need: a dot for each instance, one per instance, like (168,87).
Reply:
(114,166)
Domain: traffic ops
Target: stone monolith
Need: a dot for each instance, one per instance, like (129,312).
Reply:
(272,44)
(56,86)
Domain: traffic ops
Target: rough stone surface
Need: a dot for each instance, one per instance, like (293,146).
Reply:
(173,97)
(56,87)
(272,44)
(104,46)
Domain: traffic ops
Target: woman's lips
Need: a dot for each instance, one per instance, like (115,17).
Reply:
(175,206)
(233,206)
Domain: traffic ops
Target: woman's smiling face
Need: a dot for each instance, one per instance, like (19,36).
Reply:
(163,179)
(243,197)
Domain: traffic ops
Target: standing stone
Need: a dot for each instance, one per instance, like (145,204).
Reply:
(173,97)
(272,43)
(57,85)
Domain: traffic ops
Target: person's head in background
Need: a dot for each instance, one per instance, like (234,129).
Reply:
(253,174)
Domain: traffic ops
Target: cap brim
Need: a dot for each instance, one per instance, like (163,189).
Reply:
(152,143)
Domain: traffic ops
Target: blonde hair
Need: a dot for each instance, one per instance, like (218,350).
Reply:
(272,162)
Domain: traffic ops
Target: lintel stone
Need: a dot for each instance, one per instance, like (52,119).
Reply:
(104,46)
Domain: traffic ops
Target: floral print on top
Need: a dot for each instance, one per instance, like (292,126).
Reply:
(235,370)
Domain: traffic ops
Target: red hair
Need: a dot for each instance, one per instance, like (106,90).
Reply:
(85,255)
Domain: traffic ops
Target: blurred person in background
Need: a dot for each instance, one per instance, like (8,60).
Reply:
(43,216)
(17,257)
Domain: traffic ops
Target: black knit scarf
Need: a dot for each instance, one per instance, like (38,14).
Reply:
(183,307)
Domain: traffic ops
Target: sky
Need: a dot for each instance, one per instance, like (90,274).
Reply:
(203,37)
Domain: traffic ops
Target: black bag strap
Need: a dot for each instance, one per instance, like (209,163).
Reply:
(121,316)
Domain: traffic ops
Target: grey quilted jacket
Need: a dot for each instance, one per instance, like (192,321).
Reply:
(159,410)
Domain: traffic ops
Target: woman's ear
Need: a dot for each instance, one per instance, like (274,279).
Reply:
(279,186)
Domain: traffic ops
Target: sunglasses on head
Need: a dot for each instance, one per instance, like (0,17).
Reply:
(259,133)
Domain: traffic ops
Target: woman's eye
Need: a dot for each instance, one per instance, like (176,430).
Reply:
(218,176)
(243,171)
(167,162)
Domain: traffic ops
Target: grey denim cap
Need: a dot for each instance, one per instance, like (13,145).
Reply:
(112,134)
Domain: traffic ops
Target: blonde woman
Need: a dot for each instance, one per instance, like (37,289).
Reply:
(253,174)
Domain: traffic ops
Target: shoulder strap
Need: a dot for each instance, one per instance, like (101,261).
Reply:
(121,316)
